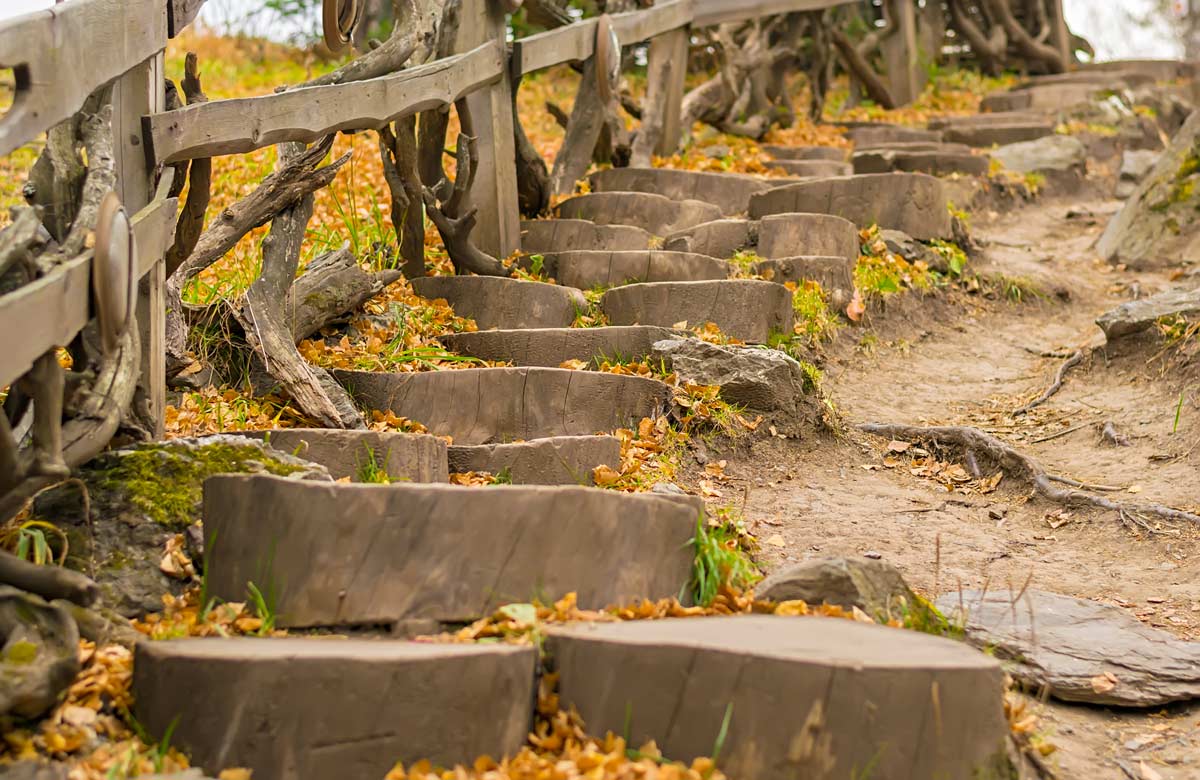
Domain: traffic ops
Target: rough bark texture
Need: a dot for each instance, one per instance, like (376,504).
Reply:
(191,217)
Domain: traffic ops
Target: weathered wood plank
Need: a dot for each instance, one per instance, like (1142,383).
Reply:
(245,124)
(50,311)
(494,192)
(576,42)
(62,54)
(710,12)
(181,13)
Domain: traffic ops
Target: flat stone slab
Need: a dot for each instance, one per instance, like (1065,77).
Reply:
(413,457)
(656,214)
(744,309)
(834,153)
(729,192)
(379,554)
(792,235)
(551,347)
(913,202)
(806,697)
(561,460)
(589,269)
(834,274)
(1138,315)
(1080,650)
(501,405)
(874,136)
(496,302)
(815,168)
(998,134)
(935,163)
(556,235)
(313,709)
(720,238)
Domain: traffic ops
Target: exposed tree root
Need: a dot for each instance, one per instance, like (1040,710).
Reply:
(1075,359)
(1018,465)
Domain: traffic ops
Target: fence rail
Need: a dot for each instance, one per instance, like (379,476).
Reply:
(61,55)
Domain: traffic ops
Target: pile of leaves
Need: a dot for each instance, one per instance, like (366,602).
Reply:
(215,411)
(955,92)
(880,272)
(952,477)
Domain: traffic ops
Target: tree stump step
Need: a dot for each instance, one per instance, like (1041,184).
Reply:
(558,460)
(656,214)
(557,235)
(551,347)
(796,234)
(412,457)
(588,269)
(815,168)
(497,302)
(744,309)
(935,163)
(730,192)
(833,153)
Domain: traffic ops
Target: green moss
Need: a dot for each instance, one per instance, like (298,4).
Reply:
(21,652)
(813,377)
(814,318)
(164,481)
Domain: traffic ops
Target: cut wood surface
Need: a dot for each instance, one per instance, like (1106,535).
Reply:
(709,12)
(59,56)
(244,124)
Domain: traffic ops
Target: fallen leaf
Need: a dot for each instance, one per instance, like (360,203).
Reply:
(856,308)
(604,476)
(775,540)
(898,446)
(574,365)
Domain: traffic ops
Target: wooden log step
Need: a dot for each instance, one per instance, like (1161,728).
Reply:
(556,235)
(986,135)
(315,709)
(551,347)
(998,118)
(833,153)
(935,163)
(793,692)
(915,203)
(346,555)
(720,238)
(812,168)
(792,235)
(915,146)
(1043,97)
(496,302)
(875,135)
(412,457)
(835,274)
(487,405)
(559,460)
(745,309)
(656,214)
(587,269)
(729,192)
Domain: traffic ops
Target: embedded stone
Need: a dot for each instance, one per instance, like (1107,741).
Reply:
(764,380)
(1140,314)
(729,192)
(720,238)
(1061,159)
(551,347)
(555,235)
(875,587)
(790,697)
(815,168)
(315,709)
(935,163)
(497,302)
(560,460)
(412,457)
(335,554)
(833,153)
(487,405)
(656,214)
(743,309)
(792,235)
(913,202)
(586,270)
(1135,164)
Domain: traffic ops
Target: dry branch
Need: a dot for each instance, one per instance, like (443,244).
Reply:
(858,65)
(190,224)
(49,582)
(1021,466)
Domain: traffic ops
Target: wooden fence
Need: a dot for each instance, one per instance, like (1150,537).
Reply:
(60,56)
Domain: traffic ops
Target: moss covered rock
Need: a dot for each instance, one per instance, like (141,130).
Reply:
(1159,226)
(142,496)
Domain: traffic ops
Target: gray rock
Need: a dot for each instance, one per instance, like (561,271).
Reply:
(875,587)
(913,250)
(1136,316)
(1080,650)
(1053,153)
(40,654)
(1157,227)
(140,497)
(1134,167)
(765,380)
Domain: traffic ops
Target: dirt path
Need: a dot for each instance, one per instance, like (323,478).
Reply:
(974,368)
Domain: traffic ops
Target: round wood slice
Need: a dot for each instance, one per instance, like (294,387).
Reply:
(608,58)
(114,271)
(338,20)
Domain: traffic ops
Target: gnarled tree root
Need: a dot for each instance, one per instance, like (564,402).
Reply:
(977,443)
(1075,359)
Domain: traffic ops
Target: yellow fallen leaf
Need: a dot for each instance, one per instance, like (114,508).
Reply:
(605,476)
(796,608)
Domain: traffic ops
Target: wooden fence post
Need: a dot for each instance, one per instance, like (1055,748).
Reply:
(666,72)
(137,93)
(495,192)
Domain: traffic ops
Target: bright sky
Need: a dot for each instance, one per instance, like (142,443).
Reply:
(1104,22)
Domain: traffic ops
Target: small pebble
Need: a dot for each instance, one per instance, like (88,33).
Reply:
(873,555)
